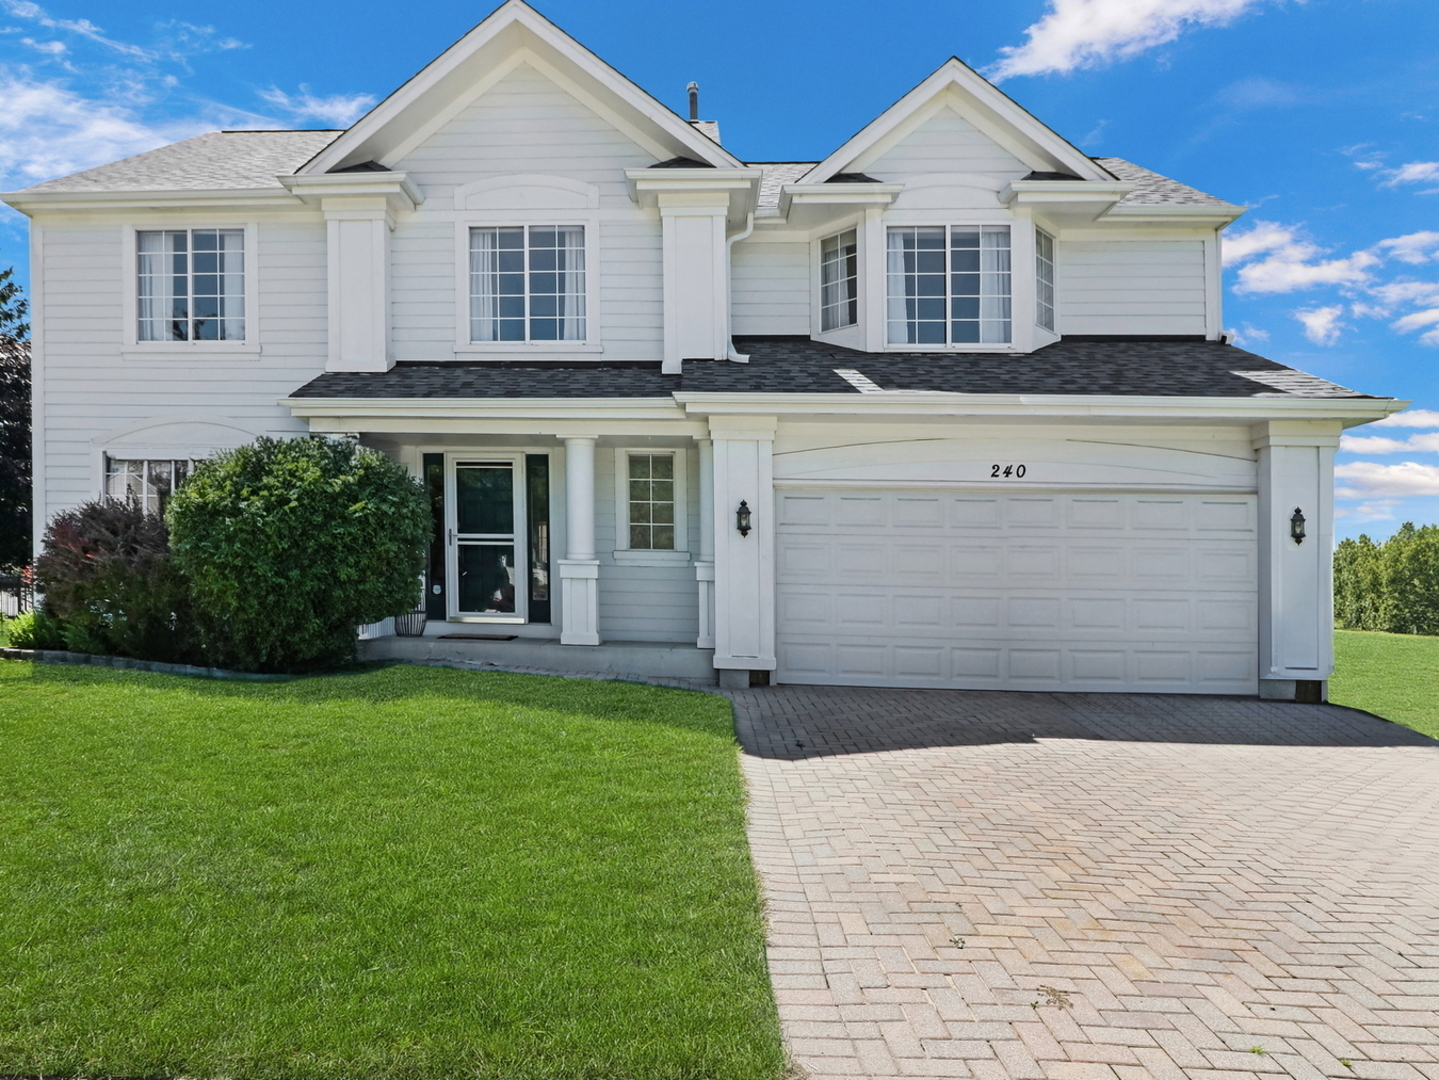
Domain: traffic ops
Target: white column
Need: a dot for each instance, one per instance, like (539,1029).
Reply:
(579,569)
(744,565)
(695,281)
(705,564)
(359,282)
(1296,589)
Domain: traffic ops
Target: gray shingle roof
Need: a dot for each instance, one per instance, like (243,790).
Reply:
(215,160)
(1157,367)
(776,174)
(1151,189)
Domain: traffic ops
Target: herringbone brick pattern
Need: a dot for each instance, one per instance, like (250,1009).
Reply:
(1095,886)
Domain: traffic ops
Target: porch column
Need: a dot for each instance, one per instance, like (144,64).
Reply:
(580,569)
(1296,580)
(744,565)
(705,564)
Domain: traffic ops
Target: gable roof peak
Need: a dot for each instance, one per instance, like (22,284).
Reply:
(984,105)
(511,34)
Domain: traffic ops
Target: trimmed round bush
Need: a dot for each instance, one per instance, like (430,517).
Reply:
(291,544)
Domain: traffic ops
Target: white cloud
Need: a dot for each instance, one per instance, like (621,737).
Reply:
(1258,92)
(1416,172)
(1370,480)
(1413,248)
(1427,443)
(1274,258)
(48,130)
(1322,325)
(1086,33)
(1373,510)
(340,110)
(1422,418)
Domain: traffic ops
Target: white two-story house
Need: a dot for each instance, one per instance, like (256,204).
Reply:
(950,408)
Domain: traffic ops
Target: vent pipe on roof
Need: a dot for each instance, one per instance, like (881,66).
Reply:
(693,89)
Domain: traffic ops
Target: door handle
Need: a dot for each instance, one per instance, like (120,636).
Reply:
(452,537)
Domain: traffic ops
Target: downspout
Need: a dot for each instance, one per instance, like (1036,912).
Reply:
(731,354)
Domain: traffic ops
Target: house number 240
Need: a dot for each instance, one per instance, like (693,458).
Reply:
(996,471)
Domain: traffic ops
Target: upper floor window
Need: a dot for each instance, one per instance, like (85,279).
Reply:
(949,285)
(191,285)
(527,283)
(1044,279)
(839,281)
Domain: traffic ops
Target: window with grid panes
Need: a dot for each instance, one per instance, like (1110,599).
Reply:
(527,283)
(1044,279)
(948,285)
(148,481)
(191,284)
(651,502)
(839,280)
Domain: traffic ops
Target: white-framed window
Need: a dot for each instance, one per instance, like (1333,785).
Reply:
(1044,279)
(148,481)
(190,284)
(527,283)
(948,285)
(651,505)
(839,280)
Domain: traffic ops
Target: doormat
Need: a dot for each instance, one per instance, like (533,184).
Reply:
(478,637)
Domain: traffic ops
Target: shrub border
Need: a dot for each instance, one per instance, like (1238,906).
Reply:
(61,656)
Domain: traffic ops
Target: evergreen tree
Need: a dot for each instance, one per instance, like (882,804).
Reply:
(14,425)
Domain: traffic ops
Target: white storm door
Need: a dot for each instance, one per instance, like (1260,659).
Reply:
(485,533)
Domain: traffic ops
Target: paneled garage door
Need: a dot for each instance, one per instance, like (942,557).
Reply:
(1019,591)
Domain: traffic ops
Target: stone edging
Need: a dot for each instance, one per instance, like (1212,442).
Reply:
(60,656)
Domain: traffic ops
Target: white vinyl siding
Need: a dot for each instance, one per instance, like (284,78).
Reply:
(1131,286)
(948,286)
(1044,279)
(945,143)
(527,125)
(771,285)
(839,280)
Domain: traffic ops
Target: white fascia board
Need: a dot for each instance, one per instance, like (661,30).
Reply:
(848,195)
(1166,215)
(609,409)
(897,403)
(399,190)
(987,97)
(526,27)
(1039,192)
(739,186)
(28,202)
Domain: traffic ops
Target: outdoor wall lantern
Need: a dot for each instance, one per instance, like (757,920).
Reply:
(1296,526)
(741,518)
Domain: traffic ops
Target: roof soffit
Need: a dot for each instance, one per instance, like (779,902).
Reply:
(513,34)
(957,86)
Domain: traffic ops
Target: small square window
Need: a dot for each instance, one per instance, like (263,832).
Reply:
(652,502)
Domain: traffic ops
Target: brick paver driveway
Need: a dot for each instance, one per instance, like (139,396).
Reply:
(1075,886)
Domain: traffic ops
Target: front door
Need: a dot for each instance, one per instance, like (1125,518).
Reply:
(487,555)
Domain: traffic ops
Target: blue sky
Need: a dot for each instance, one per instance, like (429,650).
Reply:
(1322,116)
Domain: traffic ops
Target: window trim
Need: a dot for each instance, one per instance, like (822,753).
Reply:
(132,348)
(1012,345)
(588,220)
(623,553)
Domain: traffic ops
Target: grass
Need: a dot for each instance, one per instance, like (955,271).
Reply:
(1395,676)
(404,873)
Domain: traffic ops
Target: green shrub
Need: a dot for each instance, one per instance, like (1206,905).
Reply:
(34,630)
(290,545)
(1391,586)
(106,573)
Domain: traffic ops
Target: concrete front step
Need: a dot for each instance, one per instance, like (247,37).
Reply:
(637,659)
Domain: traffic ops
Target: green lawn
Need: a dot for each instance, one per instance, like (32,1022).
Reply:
(1395,676)
(409,872)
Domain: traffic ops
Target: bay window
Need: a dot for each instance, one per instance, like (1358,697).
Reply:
(839,281)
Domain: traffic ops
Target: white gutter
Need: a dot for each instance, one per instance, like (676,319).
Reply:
(734,356)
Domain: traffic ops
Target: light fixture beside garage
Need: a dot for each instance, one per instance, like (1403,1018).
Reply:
(1296,526)
(741,518)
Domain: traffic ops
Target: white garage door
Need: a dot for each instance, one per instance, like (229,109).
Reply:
(1037,591)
